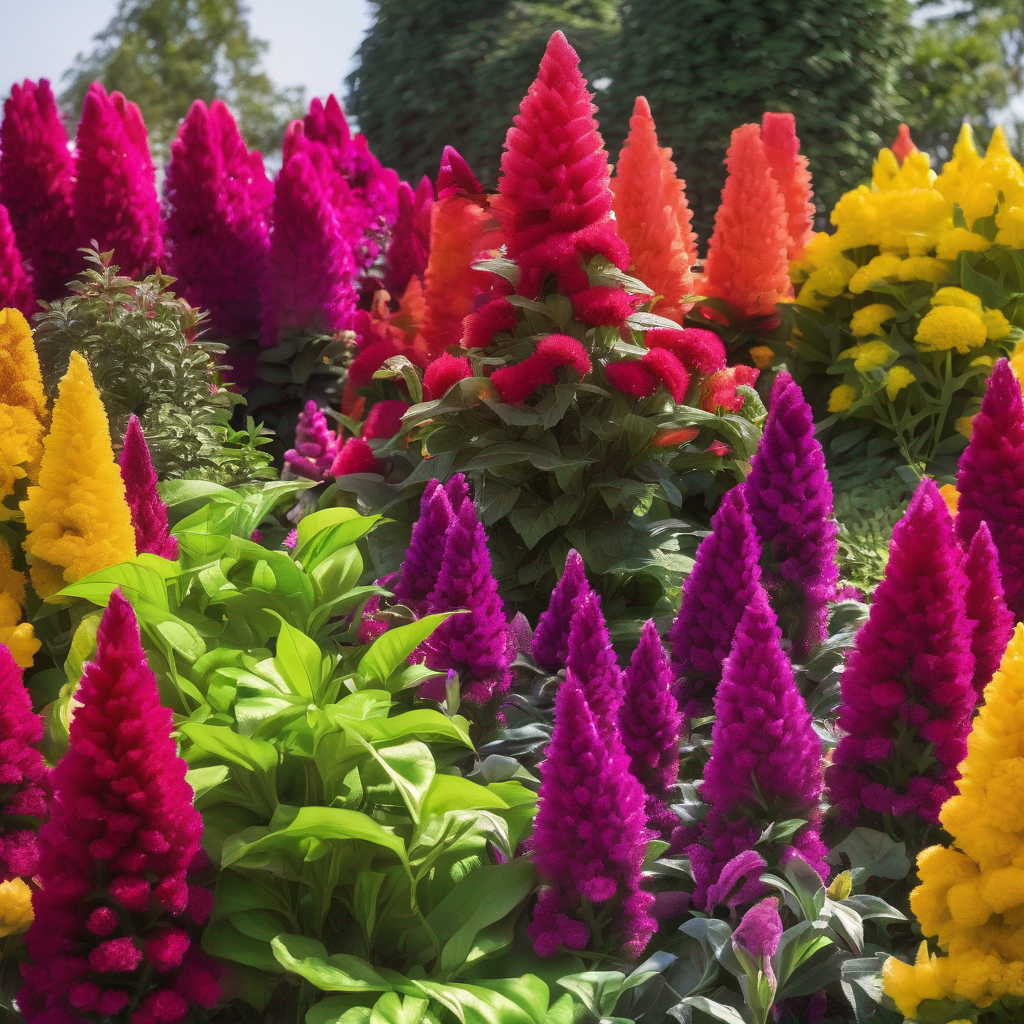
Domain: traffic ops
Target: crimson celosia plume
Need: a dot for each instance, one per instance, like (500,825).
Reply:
(516,383)
(789,168)
(443,373)
(355,456)
(698,350)
(384,420)
(455,176)
(480,327)
(903,145)
(640,378)
(16,290)
(719,390)
(149,513)
(410,237)
(991,621)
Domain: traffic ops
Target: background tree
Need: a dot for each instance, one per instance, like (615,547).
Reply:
(163,54)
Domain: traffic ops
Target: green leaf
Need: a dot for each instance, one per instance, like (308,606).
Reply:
(202,780)
(390,1009)
(242,751)
(299,662)
(874,855)
(339,973)
(715,1010)
(453,793)
(135,580)
(225,941)
(599,991)
(321,533)
(389,651)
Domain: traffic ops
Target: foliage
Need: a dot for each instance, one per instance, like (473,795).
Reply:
(866,515)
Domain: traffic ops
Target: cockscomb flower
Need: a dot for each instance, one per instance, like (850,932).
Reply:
(991,620)
(455,177)
(24,778)
(990,480)
(476,645)
(789,168)
(907,692)
(219,200)
(355,456)
(516,383)
(409,247)
(443,373)
(589,838)
(602,306)
(17,636)
(904,144)
(746,263)
(641,378)
(591,659)
(699,351)
(21,381)
(115,200)
(15,286)
(790,501)
(425,554)
(149,513)
(765,757)
(384,420)
(650,724)
(316,445)
(480,327)
(551,637)
(720,586)
(759,932)
(652,216)
(457,490)
(36,175)
(77,517)
(554,197)
(719,391)
(116,916)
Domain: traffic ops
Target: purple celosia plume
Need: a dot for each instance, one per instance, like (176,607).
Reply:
(759,932)
(720,586)
(457,490)
(149,513)
(765,761)
(115,200)
(591,660)
(24,779)
(116,918)
(907,693)
(409,247)
(36,174)
(551,638)
(522,635)
(15,285)
(991,621)
(790,502)
(425,554)
(219,201)
(316,445)
(990,480)
(650,724)
(589,838)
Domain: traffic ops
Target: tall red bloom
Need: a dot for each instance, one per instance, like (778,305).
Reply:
(903,146)
(789,168)
(149,513)
(15,287)
(410,237)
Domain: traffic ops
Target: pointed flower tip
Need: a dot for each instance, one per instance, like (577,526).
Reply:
(455,176)
(642,109)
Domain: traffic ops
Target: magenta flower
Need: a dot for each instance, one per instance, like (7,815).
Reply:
(551,638)
(316,445)
(15,285)
(991,621)
(149,513)
(759,932)
(409,247)
(457,490)
(455,177)
(425,555)
(592,662)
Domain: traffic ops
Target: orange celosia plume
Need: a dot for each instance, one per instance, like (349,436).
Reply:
(652,215)
(789,168)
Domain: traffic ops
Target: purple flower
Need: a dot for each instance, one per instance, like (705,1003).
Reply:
(522,635)
(760,930)
(907,692)
(425,554)
(589,838)
(149,513)
(15,286)
(410,237)
(592,662)
(790,501)
(291,539)
(718,589)
(316,445)
(991,621)
(457,490)
(990,480)
(551,638)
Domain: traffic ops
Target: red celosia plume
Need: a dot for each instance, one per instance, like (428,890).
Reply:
(516,383)
(443,373)
(904,144)
(789,168)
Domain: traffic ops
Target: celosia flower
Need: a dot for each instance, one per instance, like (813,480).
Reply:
(115,199)
(383,420)
(842,397)
(641,378)
(924,268)
(869,319)
(425,554)
(551,637)
(480,327)
(455,177)
(17,636)
(219,201)
(652,216)
(746,263)
(20,449)
(444,373)
(720,586)
(15,907)
(718,391)
(522,635)
(149,513)
(589,838)
(602,306)
(410,236)
(896,380)
(516,383)
(765,758)
(990,619)
(21,381)
(904,144)
(759,932)
(650,724)
(698,350)
(457,490)
(907,693)
(36,175)
(869,355)
(355,456)
(15,287)
(592,661)
(316,445)
(554,197)
(77,517)
(115,912)
(789,169)
(876,271)
(990,477)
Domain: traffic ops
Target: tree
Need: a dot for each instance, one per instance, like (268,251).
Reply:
(433,74)
(163,54)
(707,66)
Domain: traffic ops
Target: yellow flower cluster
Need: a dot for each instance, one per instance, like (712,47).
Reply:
(15,907)
(22,406)
(971,895)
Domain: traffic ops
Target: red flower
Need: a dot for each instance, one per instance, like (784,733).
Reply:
(603,306)
(698,350)
(720,388)
(356,456)
(383,420)
(443,373)
(516,383)
(455,178)
(641,378)
(480,327)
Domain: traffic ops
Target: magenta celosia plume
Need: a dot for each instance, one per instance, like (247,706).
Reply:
(790,501)
(765,758)
(991,621)
(410,237)
(219,202)
(760,931)
(457,490)
(721,584)
(554,197)
(589,839)
(907,692)
(455,177)
(115,200)
(384,420)
(36,175)
(149,513)
(116,916)
(591,659)
(25,788)
(443,373)
(355,456)
(990,480)
(316,445)
(425,554)
(551,637)
(16,290)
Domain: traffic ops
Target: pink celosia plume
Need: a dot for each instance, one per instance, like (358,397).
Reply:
(149,513)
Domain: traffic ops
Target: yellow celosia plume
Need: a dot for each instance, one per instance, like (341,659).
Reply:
(17,636)
(15,907)
(21,382)
(77,517)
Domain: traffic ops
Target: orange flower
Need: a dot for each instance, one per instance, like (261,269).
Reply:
(676,436)
(789,168)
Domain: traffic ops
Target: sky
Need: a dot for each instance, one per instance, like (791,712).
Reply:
(312,42)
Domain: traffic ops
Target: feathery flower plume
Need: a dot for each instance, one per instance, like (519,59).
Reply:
(149,513)
(425,554)
(604,306)
(642,377)
(765,759)
(991,620)
(760,931)
(455,177)
(15,286)
(77,517)
(907,693)
(719,390)
(36,175)
(790,501)
(21,380)
(115,915)
(990,479)
(316,445)
(355,456)
(444,373)
(457,490)
(17,636)
(115,200)
(904,144)
(554,197)
(589,838)
(789,168)
(551,637)
(516,383)
(218,223)
(720,586)
(698,350)
(480,327)
(383,420)
(650,724)
(652,216)
(591,660)
(410,237)
(746,263)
